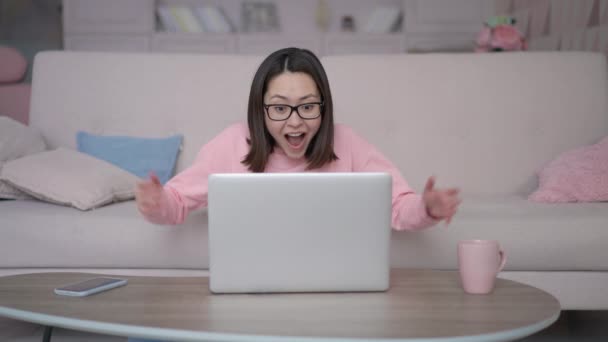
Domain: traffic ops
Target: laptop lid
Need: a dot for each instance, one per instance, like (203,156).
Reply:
(299,232)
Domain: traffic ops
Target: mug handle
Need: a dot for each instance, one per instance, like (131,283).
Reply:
(503,260)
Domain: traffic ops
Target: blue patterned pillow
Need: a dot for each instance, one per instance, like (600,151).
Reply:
(136,155)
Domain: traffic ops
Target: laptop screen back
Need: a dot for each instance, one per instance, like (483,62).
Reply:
(299,232)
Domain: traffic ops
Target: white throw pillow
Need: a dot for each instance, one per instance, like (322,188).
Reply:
(71,178)
(16,141)
(8,191)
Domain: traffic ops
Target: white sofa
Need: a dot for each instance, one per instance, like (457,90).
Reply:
(482,122)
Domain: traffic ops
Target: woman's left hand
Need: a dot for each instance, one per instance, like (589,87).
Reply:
(441,204)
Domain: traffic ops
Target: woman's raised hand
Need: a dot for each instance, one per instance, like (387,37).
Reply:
(441,204)
(148,194)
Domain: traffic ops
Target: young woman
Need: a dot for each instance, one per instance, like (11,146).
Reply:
(290,128)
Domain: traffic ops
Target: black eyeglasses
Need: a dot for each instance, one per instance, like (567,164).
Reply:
(282,112)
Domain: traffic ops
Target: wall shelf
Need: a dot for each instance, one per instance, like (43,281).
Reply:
(118,25)
(563,24)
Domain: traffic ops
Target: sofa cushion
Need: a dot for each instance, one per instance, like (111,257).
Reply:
(111,236)
(68,177)
(140,156)
(534,236)
(578,175)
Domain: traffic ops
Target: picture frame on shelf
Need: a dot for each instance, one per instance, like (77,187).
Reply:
(384,19)
(545,43)
(259,16)
(539,18)
(582,13)
(555,16)
(592,39)
(578,40)
(522,20)
(603,40)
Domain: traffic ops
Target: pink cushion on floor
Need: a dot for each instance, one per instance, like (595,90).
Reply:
(12,65)
(15,101)
(579,175)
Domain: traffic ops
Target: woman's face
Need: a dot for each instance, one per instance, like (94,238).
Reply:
(294,134)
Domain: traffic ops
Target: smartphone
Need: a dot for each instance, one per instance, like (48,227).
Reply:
(90,286)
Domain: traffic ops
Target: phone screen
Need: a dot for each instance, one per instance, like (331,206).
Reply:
(89,284)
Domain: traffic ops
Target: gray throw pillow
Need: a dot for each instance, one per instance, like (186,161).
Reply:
(16,141)
(70,178)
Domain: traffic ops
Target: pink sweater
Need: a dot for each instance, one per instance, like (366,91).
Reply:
(223,154)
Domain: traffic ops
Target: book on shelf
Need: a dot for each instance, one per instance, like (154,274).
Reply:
(214,19)
(384,20)
(186,20)
(169,24)
(194,20)
(259,16)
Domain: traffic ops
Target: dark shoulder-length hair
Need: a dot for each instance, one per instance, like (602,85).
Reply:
(321,148)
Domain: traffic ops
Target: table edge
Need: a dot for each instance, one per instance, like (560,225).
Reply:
(188,335)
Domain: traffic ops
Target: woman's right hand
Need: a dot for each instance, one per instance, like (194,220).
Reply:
(148,195)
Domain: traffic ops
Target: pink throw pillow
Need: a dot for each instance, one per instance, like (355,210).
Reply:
(13,65)
(579,175)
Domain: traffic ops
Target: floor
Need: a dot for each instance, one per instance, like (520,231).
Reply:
(585,326)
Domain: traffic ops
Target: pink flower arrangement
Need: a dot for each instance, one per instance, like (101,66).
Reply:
(502,37)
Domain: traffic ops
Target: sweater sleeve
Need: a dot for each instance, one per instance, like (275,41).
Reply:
(188,190)
(408,209)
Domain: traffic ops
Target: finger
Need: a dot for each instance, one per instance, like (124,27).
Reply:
(452,191)
(146,189)
(148,206)
(146,183)
(446,196)
(446,212)
(448,220)
(452,204)
(443,202)
(453,209)
(430,184)
(154,178)
(449,210)
(142,207)
(152,197)
(141,184)
(146,210)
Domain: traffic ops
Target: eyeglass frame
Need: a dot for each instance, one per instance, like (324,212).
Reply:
(292,108)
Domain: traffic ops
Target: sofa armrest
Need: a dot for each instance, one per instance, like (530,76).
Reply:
(15,101)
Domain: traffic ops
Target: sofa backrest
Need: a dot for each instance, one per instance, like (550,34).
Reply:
(145,95)
(14,94)
(484,122)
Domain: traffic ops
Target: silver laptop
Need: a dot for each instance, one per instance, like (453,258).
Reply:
(299,232)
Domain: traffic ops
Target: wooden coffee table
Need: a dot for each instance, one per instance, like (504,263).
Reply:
(420,306)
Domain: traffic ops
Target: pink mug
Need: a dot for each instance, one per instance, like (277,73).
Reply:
(479,262)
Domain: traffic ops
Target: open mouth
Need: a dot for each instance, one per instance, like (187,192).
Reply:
(295,140)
